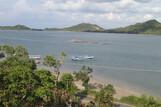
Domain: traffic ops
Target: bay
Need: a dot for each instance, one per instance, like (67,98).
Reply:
(130,59)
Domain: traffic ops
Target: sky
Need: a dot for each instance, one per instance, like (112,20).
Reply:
(63,13)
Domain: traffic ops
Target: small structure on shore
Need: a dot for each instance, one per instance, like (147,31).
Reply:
(36,58)
(2,55)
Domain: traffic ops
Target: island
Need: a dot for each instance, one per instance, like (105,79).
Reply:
(82,27)
(148,27)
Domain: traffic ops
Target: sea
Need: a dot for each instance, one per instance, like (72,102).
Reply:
(131,60)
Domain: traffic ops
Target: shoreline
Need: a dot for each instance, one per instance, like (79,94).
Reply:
(121,90)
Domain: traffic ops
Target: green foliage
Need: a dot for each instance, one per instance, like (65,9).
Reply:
(84,76)
(67,81)
(9,50)
(149,27)
(50,61)
(45,78)
(143,101)
(17,82)
(21,52)
(22,84)
(63,55)
(16,27)
(83,27)
(105,98)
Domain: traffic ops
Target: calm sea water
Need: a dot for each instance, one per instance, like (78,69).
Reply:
(134,60)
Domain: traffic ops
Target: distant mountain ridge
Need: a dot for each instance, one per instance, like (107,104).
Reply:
(148,27)
(83,27)
(16,27)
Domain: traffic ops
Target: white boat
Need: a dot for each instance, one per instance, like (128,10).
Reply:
(76,58)
(80,58)
(88,57)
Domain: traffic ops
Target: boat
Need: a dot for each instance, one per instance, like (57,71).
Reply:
(88,57)
(80,58)
(76,58)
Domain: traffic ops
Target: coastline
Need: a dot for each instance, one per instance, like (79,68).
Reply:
(121,90)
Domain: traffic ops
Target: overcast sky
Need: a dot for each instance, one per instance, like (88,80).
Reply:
(60,13)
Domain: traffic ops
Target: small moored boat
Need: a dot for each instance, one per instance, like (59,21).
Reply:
(80,58)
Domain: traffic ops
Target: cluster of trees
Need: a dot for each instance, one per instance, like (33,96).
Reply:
(143,101)
(23,84)
(84,76)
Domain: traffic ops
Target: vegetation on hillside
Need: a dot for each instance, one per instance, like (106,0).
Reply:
(16,27)
(83,27)
(148,27)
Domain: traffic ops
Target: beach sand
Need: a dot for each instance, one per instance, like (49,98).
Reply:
(121,90)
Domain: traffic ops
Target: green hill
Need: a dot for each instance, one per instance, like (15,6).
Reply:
(16,27)
(148,27)
(83,27)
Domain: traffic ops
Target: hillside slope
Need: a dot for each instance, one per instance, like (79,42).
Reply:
(83,27)
(148,27)
(16,27)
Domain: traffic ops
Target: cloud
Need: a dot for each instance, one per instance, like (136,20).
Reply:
(22,6)
(105,12)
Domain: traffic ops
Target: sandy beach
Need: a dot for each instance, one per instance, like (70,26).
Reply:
(121,90)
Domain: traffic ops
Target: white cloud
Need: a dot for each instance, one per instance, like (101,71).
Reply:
(22,6)
(102,12)
(148,16)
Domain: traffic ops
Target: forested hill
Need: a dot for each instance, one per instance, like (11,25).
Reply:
(148,27)
(83,27)
(16,27)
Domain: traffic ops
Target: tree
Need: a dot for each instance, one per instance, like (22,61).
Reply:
(9,50)
(67,80)
(84,76)
(46,83)
(22,84)
(105,98)
(21,52)
(62,57)
(17,82)
(50,61)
